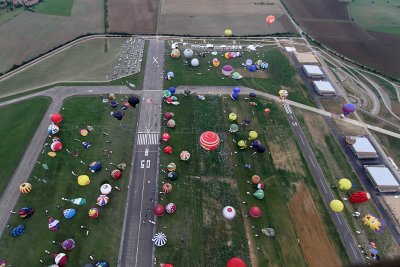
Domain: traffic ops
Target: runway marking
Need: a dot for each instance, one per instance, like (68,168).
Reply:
(312,162)
(140,219)
(354,252)
(287,109)
(337,216)
(302,140)
(147,139)
(323,186)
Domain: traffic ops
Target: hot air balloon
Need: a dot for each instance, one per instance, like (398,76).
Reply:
(167,150)
(256,143)
(194,62)
(260,185)
(25,213)
(167,188)
(95,166)
(3,263)
(252,68)
(61,259)
(53,129)
(69,213)
(227,70)
(167,93)
(248,62)
(93,213)
(171,123)
(113,104)
(169,75)
(185,155)
(227,55)
(83,180)
(267,110)
(348,108)
(53,224)
(102,200)
(264,65)
(344,184)
(253,135)
(236,75)
(373,223)
(259,194)
(336,205)
(175,53)
(228,32)
(165,137)
(25,188)
(351,140)
(56,118)
(242,144)
(283,94)
(188,53)
(234,96)
(77,201)
(133,101)
(209,140)
(159,210)
(17,231)
(105,189)
(233,128)
(359,197)
(255,179)
(270,19)
(261,149)
(68,244)
(232,116)
(116,174)
(102,264)
(56,146)
(172,176)
(255,212)
(229,212)
(171,167)
(84,132)
(170,208)
(169,115)
(215,62)
(119,115)
(235,262)
(159,239)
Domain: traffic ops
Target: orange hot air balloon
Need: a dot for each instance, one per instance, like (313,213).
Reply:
(270,19)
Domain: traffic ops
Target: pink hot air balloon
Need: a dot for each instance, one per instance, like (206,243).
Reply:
(359,197)
(165,137)
(227,70)
(255,212)
(209,140)
(236,262)
(270,19)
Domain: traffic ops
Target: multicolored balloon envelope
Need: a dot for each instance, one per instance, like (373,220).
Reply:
(68,244)
(69,213)
(25,213)
(78,201)
(61,259)
(159,239)
(17,231)
(102,200)
(94,213)
(185,155)
(167,188)
(3,263)
(53,224)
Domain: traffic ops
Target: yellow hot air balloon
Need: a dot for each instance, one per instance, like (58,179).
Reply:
(83,180)
(336,205)
(175,53)
(242,144)
(25,188)
(228,55)
(215,62)
(228,32)
(344,184)
(232,116)
(253,135)
(283,94)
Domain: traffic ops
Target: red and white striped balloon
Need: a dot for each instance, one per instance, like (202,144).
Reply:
(209,140)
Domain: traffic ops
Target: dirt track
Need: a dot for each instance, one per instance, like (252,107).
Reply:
(329,22)
(314,241)
(135,16)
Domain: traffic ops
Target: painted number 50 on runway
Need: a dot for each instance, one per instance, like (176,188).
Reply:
(145,163)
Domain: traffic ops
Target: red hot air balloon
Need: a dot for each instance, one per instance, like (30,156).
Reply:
(167,150)
(56,118)
(159,210)
(165,137)
(209,140)
(270,19)
(255,212)
(236,262)
(359,197)
(61,259)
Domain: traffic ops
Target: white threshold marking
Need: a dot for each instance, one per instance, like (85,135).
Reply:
(312,162)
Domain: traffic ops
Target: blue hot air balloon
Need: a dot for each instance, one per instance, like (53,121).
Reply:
(69,213)
(95,166)
(17,231)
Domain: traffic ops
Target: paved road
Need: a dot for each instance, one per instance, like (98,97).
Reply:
(28,161)
(136,248)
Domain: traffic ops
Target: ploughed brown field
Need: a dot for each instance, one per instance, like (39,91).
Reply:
(134,16)
(328,21)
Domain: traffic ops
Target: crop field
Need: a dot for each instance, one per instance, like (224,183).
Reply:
(57,8)
(137,16)
(111,142)
(207,17)
(30,34)
(330,23)
(21,134)
(279,73)
(91,60)
(197,233)
(335,164)
(378,15)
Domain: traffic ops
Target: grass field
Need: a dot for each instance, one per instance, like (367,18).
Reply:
(57,8)
(211,180)
(30,33)
(335,164)
(88,61)
(105,231)
(391,146)
(377,15)
(15,136)
(279,73)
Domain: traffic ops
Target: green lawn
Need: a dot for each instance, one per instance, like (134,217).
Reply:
(279,73)
(105,231)
(377,15)
(55,7)
(211,180)
(15,136)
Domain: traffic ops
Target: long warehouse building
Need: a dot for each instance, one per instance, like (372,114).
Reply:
(382,178)
(324,88)
(363,148)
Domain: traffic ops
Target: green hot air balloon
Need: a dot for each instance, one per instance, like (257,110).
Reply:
(259,194)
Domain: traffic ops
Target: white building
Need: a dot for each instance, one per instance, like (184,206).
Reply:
(313,71)
(324,88)
(382,178)
(363,148)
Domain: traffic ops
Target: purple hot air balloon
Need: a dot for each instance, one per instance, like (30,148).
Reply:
(348,108)
(68,244)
